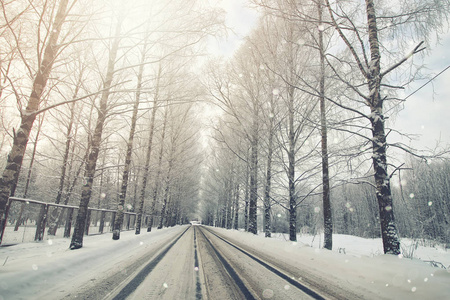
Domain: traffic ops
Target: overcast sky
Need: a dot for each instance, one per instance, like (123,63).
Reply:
(427,112)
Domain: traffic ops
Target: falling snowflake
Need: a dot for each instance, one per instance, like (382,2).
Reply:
(267,294)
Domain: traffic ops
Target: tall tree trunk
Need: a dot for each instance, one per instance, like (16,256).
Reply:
(327,217)
(158,175)
(33,154)
(167,188)
(391,243)
(291,168)
(247,192)
(10,175)
(236,208)
(77,237)
(267,206)
(164,204)
(147,164)
(54,216)
(30,169)
(229,201)
(253,201)
(141,200)
(123,190)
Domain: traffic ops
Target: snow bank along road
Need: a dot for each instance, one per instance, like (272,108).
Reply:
(199,264)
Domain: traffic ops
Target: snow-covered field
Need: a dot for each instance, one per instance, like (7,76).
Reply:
(30,270)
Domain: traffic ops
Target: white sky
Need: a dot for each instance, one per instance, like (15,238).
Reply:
(240,19)
(426,112)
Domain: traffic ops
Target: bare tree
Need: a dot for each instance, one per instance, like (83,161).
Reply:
(364,40)
(10,175)
(77,237)
(123,189)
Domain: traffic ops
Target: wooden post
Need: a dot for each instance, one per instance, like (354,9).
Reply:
(88,222)
(102,221)
(68,226)
(113,220)
(40,222)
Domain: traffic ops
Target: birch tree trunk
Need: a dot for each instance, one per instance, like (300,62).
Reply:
(166,190)
(291,168)
(391,243)
(30,169)
(267,206)
(229,202)
(77,237)
(10,175)
(253,200)
(147,163)
(158,172)
(54,216)
(236,208)
(327,217)
(123,189)
(246,200)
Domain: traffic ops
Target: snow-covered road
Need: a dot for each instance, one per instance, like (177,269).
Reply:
(197,262)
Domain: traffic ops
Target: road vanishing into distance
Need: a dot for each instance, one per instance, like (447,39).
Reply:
(198,263)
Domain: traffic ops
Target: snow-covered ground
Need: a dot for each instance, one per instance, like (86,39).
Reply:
(358,263)
(50,270)
(30,270)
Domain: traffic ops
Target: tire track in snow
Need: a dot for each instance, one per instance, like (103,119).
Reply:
(132,284)
(239,283)
(272,269)
(198,286)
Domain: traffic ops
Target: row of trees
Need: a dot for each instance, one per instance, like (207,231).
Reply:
(310,73)
(106,93)
(113,89)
